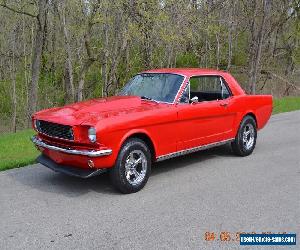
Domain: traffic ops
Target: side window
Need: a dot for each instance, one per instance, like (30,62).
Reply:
(208,88)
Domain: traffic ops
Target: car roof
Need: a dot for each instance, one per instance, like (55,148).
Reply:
(187,71)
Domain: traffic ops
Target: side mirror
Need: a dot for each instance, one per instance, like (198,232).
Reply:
(194,99)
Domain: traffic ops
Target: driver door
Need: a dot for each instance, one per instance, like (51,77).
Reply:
(210,119)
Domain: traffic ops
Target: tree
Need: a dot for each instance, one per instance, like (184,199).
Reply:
(83,49)
(258,26)
(36,56)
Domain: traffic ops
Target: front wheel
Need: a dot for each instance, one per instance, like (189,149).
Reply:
(133,166)
(245,139)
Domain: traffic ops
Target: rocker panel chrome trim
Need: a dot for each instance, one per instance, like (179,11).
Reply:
(192,150)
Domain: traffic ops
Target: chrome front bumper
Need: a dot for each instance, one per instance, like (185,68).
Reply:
(91,153)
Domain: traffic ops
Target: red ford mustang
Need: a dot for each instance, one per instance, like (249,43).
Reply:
(159,114)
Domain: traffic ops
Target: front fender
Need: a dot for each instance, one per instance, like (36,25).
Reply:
(137,132)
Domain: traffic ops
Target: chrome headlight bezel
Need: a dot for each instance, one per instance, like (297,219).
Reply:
(36,124)
(92,134)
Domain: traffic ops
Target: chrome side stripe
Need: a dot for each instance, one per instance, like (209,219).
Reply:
(192,150)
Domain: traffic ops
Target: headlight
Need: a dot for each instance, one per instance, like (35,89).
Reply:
(36,124)
(92,134)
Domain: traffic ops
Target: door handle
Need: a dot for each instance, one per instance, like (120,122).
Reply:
(224,104)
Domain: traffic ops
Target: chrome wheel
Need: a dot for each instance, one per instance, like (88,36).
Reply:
(135,167)
(248,136)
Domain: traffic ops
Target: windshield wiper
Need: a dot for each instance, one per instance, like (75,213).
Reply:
(148,98)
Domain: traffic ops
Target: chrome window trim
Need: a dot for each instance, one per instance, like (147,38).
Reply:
(184,89)
(222,80)
(91,153)
(218,75)
(178,92)
(225,84)
(192,150)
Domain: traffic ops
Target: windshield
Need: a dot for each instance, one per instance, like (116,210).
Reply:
(160,87)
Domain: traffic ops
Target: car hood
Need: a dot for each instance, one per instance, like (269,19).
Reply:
(91,111)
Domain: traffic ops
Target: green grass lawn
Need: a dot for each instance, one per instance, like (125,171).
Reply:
(16,150)
(286,104)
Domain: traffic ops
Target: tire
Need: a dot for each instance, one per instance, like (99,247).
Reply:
(133,167)
(245,140)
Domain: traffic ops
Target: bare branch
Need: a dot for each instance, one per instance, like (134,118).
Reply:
(4,5)
(289,83)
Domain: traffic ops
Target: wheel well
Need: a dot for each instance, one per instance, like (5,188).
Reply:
(145,138)
(253,116)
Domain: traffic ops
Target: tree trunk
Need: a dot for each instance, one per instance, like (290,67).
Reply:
(257,48)
(69,83)
(105,59)
(90,56)
(80,87)
(147,49)
(14,102)
(36,58)
(116,59)
(53,50)
(230,31)
(26,82)
(169,50)
(14,96)
(218,50)
(82,73)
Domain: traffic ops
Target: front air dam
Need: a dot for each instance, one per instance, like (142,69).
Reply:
(72,171)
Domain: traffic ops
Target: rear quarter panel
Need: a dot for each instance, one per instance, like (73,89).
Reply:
(260,106)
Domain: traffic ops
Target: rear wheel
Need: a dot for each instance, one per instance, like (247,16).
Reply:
(245,139)
(133,166)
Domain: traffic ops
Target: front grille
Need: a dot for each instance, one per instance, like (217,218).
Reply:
(55,130)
